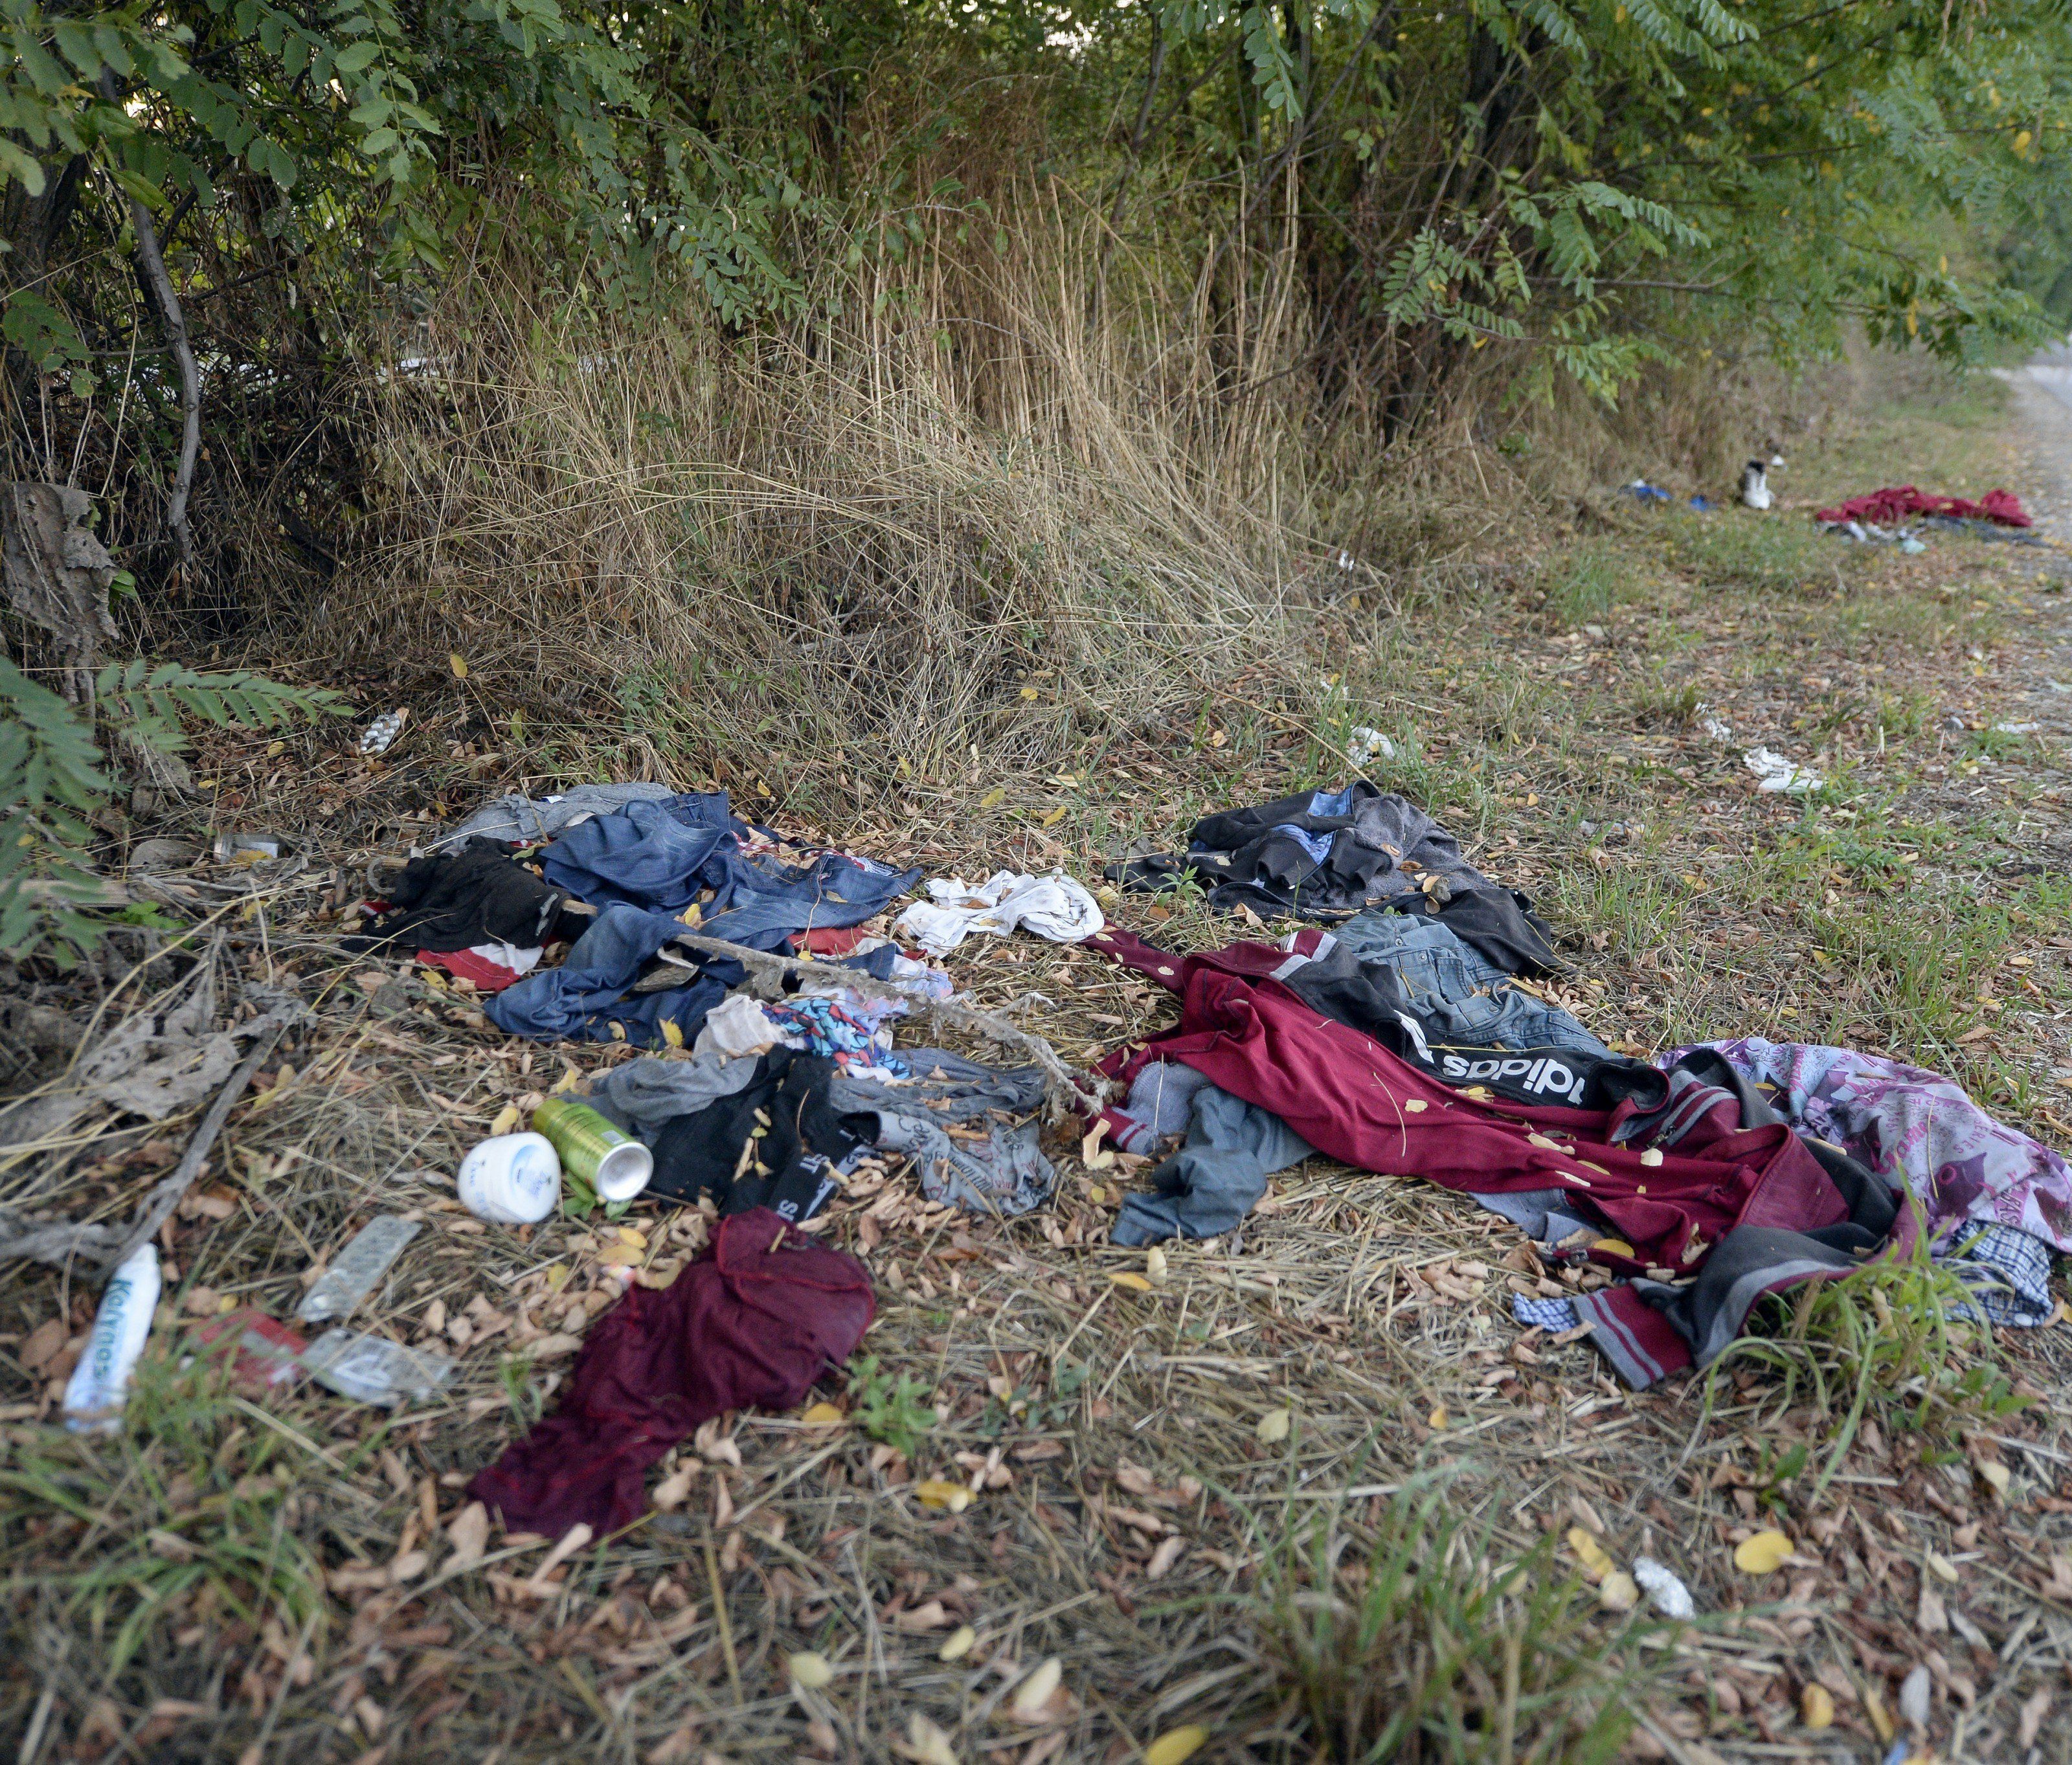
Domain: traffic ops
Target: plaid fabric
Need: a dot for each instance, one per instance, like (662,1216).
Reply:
(2008,1273)
(1546,1313)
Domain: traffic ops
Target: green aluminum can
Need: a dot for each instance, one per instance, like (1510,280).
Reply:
(615,1166)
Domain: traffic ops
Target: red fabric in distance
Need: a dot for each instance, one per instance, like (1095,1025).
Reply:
(753,1322)
(1896,504)
(1355,1101)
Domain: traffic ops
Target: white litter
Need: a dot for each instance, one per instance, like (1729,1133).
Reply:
(1718,730)
(2017,728)
(1755,492)
(94,1394)
(737,1027)
(1668,1595)
(1773,772)
(1365,744)
(1054,906)
(1914,1692)
(379,735)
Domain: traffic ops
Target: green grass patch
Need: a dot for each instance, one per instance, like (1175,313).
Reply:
(1423,1638)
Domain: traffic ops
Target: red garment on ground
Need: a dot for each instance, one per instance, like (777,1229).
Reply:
(829,939)
(1355,1101)
(761,1315)
(1897,503)
(484,973)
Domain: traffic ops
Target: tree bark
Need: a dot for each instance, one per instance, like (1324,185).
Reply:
(149,264)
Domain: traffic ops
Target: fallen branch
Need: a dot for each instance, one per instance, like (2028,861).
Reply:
(59,1241)
(1066,1090)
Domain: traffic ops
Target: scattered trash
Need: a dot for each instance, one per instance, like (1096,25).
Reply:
(757,1319)
(1896,503)
(1908,543)
(2017,728)
(379,735)
(94,1394)
(374,1370)
(1719,729)
(1755,490)
(359,1269)
(1641,491)
(613,1165)
(1055,907)
(1702,503)
(263,1353)
(1365,744)
(244,847)
(513,1180)
(163,854)
(1664,1590)
(1773,772)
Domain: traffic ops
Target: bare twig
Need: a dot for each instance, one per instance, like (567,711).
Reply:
(57,1241)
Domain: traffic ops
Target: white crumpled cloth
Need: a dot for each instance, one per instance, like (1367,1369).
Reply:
(1053,907)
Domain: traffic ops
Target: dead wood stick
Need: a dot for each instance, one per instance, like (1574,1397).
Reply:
(58,1241)
(1064,1084)
(158,1206)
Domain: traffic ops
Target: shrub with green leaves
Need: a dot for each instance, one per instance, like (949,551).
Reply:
(54,776)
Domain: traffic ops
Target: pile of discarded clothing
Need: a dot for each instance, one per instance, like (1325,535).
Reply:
(1399,1041)
(1898,515)
(780,1095)
(1399,1031)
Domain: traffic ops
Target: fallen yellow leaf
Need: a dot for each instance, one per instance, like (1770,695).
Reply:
(458,666)
(926,1743)
(958,1644)
(1054,817)
(1944,1568)
(1614,1247)
(507,1121)
(672,1032)
(1816,1707)
(1128,1278)
(1437,1419)
(1994,1474)
(939,1492)
(1034,1693)
(1880,1717)
(1273,1426)
(812,1670)
(1618,1592)
(1029,693)
(1175,1745)
(1154,1266)
(824,1414)
(1763,1553)
(993,798)
(633,1235)
(1590,1553)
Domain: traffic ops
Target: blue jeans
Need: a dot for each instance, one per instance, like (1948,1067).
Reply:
(1466,1001)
